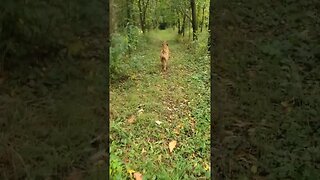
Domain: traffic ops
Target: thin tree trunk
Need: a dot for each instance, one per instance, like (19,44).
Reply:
(194,19)
(128,23)
(189,28)
(179,29)
(211,34)
(202,19)
(141,16)
(183,24)
(143,6)
(144,13)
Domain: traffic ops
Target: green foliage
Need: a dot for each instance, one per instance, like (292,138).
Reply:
(178,99)
(121,47)
(53,104)
(269,89)
(33,28)
(116,168)
(118,48)
(134,36)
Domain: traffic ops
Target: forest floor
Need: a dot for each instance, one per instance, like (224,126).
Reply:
(266,90)
(151,108)
(51,116)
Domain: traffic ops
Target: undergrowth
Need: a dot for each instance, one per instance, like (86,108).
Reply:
(150,109)
(268,73)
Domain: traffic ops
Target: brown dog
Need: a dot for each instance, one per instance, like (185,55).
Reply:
(164,55)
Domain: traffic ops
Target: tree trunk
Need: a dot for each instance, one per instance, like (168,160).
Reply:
(183,24)
(194,19)
(128,23)
(211,34)
(129,15)
(202,19)
(189,22)
(179,29)
(143,6)
(141,16)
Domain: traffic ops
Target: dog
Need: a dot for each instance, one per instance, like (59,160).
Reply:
(164,55)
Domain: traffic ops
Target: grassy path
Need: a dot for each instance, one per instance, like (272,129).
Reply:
(151,109)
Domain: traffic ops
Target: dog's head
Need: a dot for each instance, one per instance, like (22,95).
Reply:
(165,43)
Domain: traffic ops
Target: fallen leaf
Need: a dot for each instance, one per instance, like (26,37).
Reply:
(193,122)
(159,158)
(131,119)
(195,164)
(172,145)
(176,131)
(158,122)
(206,166)
(254,169)
(137,176)
(143,151)
(140,111)
(101,155)
(285,104)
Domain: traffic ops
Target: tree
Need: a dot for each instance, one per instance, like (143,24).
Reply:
(211,35)
(194,19)
(143,6)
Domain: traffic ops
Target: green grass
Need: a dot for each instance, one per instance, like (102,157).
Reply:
(179,99)
(49,116)
(267,73)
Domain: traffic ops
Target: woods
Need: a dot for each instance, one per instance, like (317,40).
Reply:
(131,18)
(149,14)
(25,25)
(159,90)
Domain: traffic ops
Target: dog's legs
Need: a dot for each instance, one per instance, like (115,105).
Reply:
(163,63)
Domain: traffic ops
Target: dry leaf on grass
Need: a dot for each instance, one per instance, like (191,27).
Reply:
(140,111)
(206,166)
(101,155)
(158,122)
(131,119)
(172,145)
(254,169)
(137,176)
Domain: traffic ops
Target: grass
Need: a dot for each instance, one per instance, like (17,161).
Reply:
(50,113)
(267,73)
(179,99)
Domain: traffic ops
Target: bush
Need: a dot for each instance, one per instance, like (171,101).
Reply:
(121,45)
(32,28)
